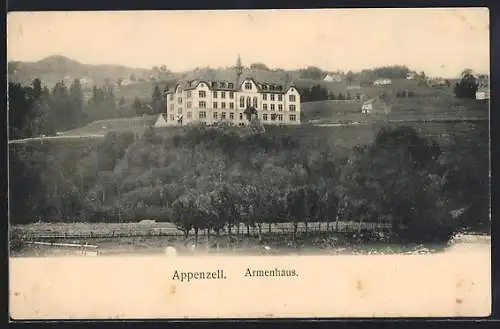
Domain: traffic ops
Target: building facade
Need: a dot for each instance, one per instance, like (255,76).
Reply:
(226,100)
(382,82)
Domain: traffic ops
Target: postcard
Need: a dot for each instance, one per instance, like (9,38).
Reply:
(326,163)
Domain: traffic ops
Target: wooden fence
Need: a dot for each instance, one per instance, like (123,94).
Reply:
(275,229)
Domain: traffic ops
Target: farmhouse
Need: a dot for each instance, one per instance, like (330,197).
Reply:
(210,98)
(330,77)
(483,93)
(376,105)
(382,82)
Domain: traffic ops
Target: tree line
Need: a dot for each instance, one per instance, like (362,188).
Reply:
(319,93)
(36,110)
(219,178)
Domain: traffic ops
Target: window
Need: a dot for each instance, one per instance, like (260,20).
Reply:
(179,110)
(272,107)
(223,105)
(271,87)
(280,97)
(171,97)
(280,107)
(214,84)
(189,115)
(293,117)
(215,105)
(202,94)
(292,107)
(189,94)
(223,85)
(291,98)
(273,117)
(202,115)
(231,116)
(255,102)
(280,117)
(241,116)
(179,100)
(216,115)
(264,87)
(223,115)
(215,94)
(188,105)
(231,95)
(264,116)
(230,85)
(171,117)
(248,85)
(202,104)
(249,101)
(242,101)
(264,107)
(222,94)
(264,97)
(272,97)
(231,105)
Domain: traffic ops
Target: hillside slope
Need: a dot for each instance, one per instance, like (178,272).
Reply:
(55,68)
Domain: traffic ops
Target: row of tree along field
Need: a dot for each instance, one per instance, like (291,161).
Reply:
(220,178)
(35,110)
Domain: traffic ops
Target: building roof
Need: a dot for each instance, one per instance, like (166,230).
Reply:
(260,77)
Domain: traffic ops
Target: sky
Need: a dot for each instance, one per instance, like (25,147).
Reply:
(440,41)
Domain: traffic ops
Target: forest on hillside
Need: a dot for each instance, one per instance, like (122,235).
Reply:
(37,110)
(213,178)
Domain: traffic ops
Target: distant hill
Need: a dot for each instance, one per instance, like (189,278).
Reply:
(56,68)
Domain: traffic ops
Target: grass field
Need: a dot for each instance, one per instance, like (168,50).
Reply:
(423,108)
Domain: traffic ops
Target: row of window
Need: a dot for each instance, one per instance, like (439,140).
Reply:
(215,105)
(203,94)
(222,85)
(265,117)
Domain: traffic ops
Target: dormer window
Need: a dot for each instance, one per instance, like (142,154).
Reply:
(214,84)
(271,87)
(248,85)
(223,85)
(230,85)
(264,87)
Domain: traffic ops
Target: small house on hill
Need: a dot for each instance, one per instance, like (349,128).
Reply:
(382,82)
(160,121)
(330,77)
(483,93)
(376,105)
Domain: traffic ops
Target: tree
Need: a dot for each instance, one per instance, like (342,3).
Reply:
(311,72)
(398,179)
(158,102)
(259,66)
(349,78)
(76,99)
(139,108)
(250,112)
(467,86)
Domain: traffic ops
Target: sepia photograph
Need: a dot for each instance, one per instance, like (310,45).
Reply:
(285,163)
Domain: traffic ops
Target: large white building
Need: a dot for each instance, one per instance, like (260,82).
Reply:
(225,98)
